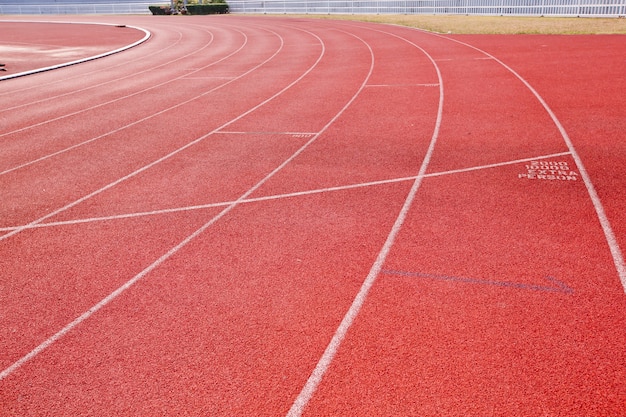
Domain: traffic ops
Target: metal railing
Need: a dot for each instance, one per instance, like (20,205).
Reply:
(77,8)
(592,8)
(605,8)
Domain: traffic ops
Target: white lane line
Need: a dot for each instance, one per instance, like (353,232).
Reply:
(405,85)
(497,164)
(87,74)
(52,339)
(320,369)
(56,97)
(152,69)
(91,58)
(609,235)
(299,134)
(182,148)
(136,122)
(278,196)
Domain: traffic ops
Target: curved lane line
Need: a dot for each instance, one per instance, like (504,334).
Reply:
(44,157)
(136,122)
(115,80)
(316,376)
(169,155)
(609,235)
(52,339)
(95,71)
(147,35)
(277,196)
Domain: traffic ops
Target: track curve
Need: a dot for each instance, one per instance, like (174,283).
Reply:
(205,222)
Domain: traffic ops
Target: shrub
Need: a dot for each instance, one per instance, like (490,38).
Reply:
(213,8)
(219,7)
(160,10)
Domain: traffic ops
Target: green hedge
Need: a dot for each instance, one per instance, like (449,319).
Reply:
(159,10)
(213,8)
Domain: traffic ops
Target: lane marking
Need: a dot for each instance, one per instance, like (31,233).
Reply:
(299,134)
(324,362)
(126,63)
(176,151)
(404,85)
(555,284)
(146,36)
(497,164)
(51,98)
(136,122)
(231,79)
(208,78)
(112,296)
(616,253)
(549,170)
(52,339)
(276,196)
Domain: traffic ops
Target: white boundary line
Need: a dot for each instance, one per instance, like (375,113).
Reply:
(609,235)
(323,364)
(109,68)
(52,339)
(176,151)
(136,122)
(116,80)
(276,196)
(320,369)
(147,35)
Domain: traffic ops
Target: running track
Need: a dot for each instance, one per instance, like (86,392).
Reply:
(249,216)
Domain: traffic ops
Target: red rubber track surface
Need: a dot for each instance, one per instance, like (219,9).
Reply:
(277,216)
(29,46)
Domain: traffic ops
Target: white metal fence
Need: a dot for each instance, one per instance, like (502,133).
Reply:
(76,8)
(606,8)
